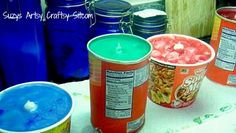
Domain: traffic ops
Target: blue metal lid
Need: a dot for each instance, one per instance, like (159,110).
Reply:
(111,7)
(152,16)
(64,2)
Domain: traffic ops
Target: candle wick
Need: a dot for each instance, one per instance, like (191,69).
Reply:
(30,106)
(178,46)
(119,49)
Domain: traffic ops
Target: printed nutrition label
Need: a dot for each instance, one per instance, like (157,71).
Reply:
(119,91)
(141,75)
(226,55)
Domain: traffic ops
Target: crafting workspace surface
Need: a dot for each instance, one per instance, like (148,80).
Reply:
(213,110)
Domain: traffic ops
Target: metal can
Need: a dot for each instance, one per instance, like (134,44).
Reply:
(35,107)
(111,16)
(119,70)
(67,30)
(223,40)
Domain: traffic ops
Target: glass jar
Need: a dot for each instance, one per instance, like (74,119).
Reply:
(67,29)
(111,16)
(22,45)
(149,22)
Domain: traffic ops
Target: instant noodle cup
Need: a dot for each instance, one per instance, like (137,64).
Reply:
(35,107)
(119,71)
(177,68)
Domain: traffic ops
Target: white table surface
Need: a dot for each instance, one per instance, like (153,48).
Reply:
(213,111)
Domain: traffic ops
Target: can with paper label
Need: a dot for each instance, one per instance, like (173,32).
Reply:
(119,70)
(223,40)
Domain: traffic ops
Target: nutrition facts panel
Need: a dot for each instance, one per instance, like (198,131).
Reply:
(119,92)
(226,55)
(141,75)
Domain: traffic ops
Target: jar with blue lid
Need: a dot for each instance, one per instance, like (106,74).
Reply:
(111,16)
(67,29)
(149,22)
(22,42)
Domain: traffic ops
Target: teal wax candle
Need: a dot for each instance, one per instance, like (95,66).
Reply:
(119,71)
(34,106)
(123,48)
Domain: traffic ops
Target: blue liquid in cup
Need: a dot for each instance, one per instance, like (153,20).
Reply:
(53,104)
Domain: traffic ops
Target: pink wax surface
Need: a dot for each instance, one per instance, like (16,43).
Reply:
(179,49)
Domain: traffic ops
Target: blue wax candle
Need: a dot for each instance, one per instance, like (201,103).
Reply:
(33,106)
